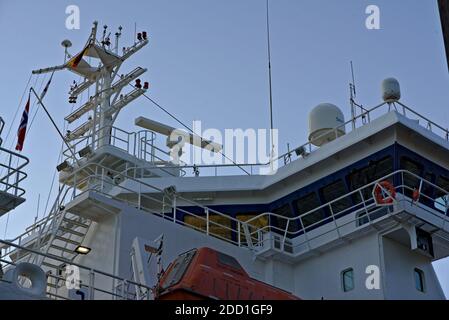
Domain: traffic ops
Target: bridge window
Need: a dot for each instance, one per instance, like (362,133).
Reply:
(427,188)
(254,225)
(441,198)
(410,181)
(219,226)
(334,191)
(419,280)
(375,170)
(347,279)
(306,204)
(281,223)
(443,183)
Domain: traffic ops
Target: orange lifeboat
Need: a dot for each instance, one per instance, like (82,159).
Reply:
(204,273)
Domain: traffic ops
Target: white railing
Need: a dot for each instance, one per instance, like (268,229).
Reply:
(12,173)
(140,144)
(120,288)
(359,211)
(365,211)
(109,183)
(34,233)
(363,117)
(98,179)
(244,233)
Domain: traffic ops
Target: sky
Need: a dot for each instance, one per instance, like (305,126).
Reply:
(207,60)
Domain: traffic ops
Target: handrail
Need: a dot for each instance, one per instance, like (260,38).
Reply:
(96,179)
(367,205)
(170,206)
(14,172)
(134,143)
(67,262)
(328,204)
(256,234)
(39,226)
(365,115)
(248,223)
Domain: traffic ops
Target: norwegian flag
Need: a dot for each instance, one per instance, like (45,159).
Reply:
(23,126)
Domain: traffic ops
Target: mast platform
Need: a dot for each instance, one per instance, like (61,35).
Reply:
(11,175)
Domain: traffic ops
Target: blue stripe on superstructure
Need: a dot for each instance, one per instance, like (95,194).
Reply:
(396,151)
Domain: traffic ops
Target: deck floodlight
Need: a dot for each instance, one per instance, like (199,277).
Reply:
(64,166)
(85,152)
(82,250)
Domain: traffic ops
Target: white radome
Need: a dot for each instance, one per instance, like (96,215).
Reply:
(323,119)
(391,90)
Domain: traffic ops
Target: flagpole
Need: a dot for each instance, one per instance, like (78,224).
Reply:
(54,124)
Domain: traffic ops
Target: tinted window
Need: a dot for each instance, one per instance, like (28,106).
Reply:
(443,183)
(306,204)
(374,171)
(427,189)
(285,211)
(410,181)
(253,226)
(347,279)
(419,280)
(219,226)
(441,198)
(334,191)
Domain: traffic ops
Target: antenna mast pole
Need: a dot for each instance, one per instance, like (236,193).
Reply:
(269,81)
(352,93)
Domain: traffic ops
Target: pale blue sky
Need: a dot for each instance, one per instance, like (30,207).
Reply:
(207,60)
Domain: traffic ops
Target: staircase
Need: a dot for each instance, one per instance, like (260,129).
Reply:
(60,233)
(68,233)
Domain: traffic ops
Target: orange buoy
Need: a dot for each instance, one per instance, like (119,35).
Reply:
(380,199)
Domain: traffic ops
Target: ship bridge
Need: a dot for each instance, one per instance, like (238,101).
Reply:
(325,196)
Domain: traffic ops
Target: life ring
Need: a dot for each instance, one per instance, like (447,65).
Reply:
(381,186)
(31,271)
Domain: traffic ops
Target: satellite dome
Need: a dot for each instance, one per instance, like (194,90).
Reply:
(391,90)
(323,119)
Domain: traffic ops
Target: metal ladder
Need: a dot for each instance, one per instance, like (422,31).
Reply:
(60,235)
(67,233)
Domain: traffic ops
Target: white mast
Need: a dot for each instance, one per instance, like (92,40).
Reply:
(108,100)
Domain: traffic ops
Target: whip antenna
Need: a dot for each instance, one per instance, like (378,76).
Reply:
(269,80)
(352,94)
